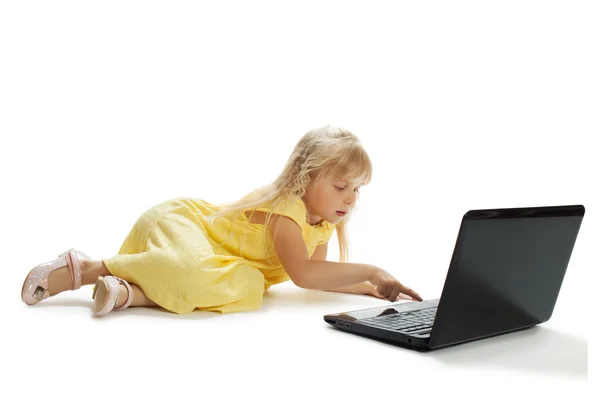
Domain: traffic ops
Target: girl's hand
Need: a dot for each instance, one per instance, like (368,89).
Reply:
(373,292)
(389,287)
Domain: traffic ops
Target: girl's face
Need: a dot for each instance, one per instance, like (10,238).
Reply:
(330,199)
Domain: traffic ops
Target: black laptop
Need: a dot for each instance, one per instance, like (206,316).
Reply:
(505,275)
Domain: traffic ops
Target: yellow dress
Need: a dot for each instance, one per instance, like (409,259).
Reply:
(184,260)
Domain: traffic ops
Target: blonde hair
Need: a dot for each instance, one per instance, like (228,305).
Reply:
(326,151)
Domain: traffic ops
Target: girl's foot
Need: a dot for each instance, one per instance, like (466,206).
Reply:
(111,293)
(49,278)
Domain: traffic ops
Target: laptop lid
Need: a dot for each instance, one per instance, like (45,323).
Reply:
(506,271)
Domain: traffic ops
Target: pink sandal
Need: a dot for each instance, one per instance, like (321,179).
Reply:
(35,286)
(107,289)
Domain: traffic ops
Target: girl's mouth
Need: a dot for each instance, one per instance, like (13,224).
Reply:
(340,213)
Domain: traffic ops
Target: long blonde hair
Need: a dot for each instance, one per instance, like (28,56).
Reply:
(326,151)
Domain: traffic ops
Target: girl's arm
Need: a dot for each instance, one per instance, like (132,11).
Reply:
(312,274)
(357,288)
(325,275)
(366,287)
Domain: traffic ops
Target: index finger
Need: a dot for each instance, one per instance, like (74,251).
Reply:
(411,293)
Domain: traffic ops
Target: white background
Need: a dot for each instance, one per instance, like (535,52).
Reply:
(107,108)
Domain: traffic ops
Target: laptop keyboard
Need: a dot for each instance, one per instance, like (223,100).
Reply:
(404,322)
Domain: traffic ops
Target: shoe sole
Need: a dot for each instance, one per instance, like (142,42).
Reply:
(100,294)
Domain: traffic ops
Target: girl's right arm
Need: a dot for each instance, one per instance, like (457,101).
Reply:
(325,275)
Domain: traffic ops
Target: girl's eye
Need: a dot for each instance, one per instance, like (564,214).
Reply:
(342,188)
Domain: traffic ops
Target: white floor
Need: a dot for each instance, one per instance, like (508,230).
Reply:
(285,347)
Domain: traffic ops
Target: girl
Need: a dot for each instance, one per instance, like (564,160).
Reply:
(186,254)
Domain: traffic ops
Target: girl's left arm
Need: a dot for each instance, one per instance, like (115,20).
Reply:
(358,288)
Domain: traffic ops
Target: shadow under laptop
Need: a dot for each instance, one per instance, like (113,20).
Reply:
(537,349)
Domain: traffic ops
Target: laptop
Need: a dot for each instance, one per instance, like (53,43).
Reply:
(505,275)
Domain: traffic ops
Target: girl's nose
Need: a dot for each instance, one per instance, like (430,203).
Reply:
(350,199)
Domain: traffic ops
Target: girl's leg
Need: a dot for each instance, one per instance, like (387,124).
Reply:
(60,279)
(139,298)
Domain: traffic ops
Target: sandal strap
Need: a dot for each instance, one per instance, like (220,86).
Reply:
(129,294)
(74,268)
